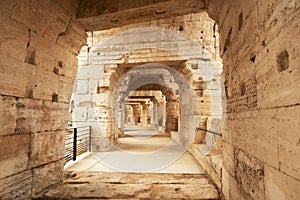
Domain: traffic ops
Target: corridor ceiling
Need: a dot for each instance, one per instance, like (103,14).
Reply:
(96,15)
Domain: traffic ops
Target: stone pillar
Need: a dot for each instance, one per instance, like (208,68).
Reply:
(136,113)
(144,118)
(154,118)
(123,116)
(164,114)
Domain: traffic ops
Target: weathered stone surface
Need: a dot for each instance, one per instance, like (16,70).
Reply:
(125,185)
(229,154)
(259,140)
(259,47)
(101,19)
(65,89)
(280,186)
(101,99)
(9,68)
(82,100)
(289,140)
(40,116)
(46,147)
(14,36)
(38,15)
(91,72)
(82,86)
(46,176)
(275,87)
(14,152)
(225,183)
(250,173)
(211,163)
(79,114)
(17,186)
(8,115)
(38,48)
(99,114)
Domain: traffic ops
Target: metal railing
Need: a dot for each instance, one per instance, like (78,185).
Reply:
(212,132)
(78,141)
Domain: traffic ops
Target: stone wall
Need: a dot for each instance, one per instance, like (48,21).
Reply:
(260,52)
(38,50)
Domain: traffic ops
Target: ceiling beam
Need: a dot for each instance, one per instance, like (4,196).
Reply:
(160,10)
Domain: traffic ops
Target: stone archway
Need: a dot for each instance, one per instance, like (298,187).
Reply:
(112,55)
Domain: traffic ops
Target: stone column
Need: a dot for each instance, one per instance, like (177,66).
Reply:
(144,114)
(122,122)
(164,114)
(154,119)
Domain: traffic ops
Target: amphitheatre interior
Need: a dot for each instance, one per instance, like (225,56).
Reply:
(194,99)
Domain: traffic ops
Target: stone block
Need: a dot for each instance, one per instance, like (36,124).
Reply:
(102,99)
(38,15)
(14,36)
(39,115)
(250,172)
(287,120)
(43,85)
(8,115)
(66,86)
(38,19)
(17,186)
(105,127)
(46,147)
(225,183)
(90,72)
(236,190)
(274,15)
(66,61)
(14,77)
(82,86)
(46,176)
(93,84)
(79,114)
(82,100)
(104,81)
(14,150)
(275,86)
(101,144)
(254,132)
(229,158)
(99,114)
(280,186)
(74,38)
(26,80)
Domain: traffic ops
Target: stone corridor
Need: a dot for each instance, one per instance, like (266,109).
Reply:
(218,80)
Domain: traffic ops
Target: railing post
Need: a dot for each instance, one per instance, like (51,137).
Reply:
(75,144)
(90,139)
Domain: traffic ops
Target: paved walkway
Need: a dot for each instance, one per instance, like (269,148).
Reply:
(144,165)
(142,150)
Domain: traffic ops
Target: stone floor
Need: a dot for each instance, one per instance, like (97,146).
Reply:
(142,150)
(144,165)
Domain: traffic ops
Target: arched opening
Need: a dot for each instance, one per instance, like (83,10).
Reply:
(111,57)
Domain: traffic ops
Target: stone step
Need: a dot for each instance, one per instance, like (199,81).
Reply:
(116,185)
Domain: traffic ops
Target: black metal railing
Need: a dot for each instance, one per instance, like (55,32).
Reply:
(212,132)
(78,141)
